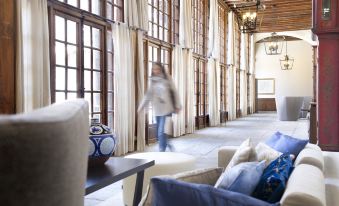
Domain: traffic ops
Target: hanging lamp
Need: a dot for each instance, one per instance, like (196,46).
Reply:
(274,44)
(287,62)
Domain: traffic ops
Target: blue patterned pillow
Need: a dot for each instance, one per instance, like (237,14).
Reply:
(272,183)
(171,192)
(286,144)
(242,178)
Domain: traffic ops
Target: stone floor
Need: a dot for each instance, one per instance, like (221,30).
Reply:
(204,145)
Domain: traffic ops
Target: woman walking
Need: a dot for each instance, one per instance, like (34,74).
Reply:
(165,101)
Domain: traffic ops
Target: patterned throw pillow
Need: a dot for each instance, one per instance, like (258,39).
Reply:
(286,144)
(242,178)
(272,183)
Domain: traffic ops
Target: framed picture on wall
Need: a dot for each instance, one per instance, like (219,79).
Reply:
(266,86)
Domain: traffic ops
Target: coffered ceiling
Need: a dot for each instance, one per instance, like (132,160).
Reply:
(277,15)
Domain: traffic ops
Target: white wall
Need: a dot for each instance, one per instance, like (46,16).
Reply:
(295,82)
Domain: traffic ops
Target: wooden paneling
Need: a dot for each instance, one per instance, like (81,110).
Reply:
(279,15)
(266,104)
(7,56)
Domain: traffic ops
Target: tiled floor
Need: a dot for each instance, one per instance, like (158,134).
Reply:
(204,145)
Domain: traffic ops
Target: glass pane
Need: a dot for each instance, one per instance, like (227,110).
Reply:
(96,81)
(97,116)
(59,96)
(60,53)
(96,38)
(155,16)
(87,58)
(84,4)
(87,80)
(71,95)
(73,2)
(109,11)
(71,56)
(161,18)
(89,100)
(96,59)
(110,101)
(155,54)
(59,28)
(60,78)
(109,41)
(96,102)
(110,120)
(161,36)
(110,82)
(71,32)
(96,7)
(166,22)
(110,62)
(87,35)
(72,79)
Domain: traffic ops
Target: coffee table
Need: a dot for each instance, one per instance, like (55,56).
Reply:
(115,169)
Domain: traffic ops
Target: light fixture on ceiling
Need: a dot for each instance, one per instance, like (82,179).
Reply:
(274,44)
(287,62)
(249,22)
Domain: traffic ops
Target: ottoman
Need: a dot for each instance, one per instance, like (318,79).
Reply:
(166,163)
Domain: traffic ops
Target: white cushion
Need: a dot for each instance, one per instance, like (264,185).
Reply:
(242,154)
(312,157)
(265,152)
(306,186)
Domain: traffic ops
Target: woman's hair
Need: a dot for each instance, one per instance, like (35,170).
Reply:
(162,69)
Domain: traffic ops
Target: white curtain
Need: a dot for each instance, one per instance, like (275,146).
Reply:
(243,73)
(138,66)
(136,14)
(231,90)
(179,78)
(185,27)
(214,91)
(190,115)
(183,77)
(231,71)
(32,56)
(213,31)
(124,89)
(252,74)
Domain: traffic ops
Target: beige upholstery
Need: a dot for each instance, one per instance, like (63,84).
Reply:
(305,186)
(310,156)
(331,172)
(207,176)
(43,156)
(166,163)
(225,155)
(312,146)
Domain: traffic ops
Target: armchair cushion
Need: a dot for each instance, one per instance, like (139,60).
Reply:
(169,192)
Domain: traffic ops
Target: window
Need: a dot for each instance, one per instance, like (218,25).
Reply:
(200,92)
(115,10)
(81,66)
(199,13)
(164,20)
(237,67)
(93,6)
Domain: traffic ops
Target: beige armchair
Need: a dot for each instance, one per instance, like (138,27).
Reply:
(43,156)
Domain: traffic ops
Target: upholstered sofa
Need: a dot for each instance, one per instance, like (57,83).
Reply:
(313,182)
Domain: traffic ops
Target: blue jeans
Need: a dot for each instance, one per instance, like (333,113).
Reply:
(161,136)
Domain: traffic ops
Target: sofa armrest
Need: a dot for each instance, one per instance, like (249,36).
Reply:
(207,176)
(225,155)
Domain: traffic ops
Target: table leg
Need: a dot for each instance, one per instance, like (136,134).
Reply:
(138,188)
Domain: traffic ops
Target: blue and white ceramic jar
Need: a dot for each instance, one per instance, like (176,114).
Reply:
(102,143)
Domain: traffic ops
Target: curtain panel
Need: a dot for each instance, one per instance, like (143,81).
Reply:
(185,24)
(124,88)
(183,77)
(214,91)
(32,56)
(136,14)
(213,31)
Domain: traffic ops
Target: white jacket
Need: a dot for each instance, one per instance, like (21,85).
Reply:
(163,95)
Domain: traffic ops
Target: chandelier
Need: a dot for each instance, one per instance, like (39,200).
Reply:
(273,44)
(249,22)
(287,62)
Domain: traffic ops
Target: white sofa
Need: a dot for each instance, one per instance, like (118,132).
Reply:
(313,182)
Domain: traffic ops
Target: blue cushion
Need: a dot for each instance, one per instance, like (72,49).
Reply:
(171,192)
(272,183)
(242,178)
(286,144)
